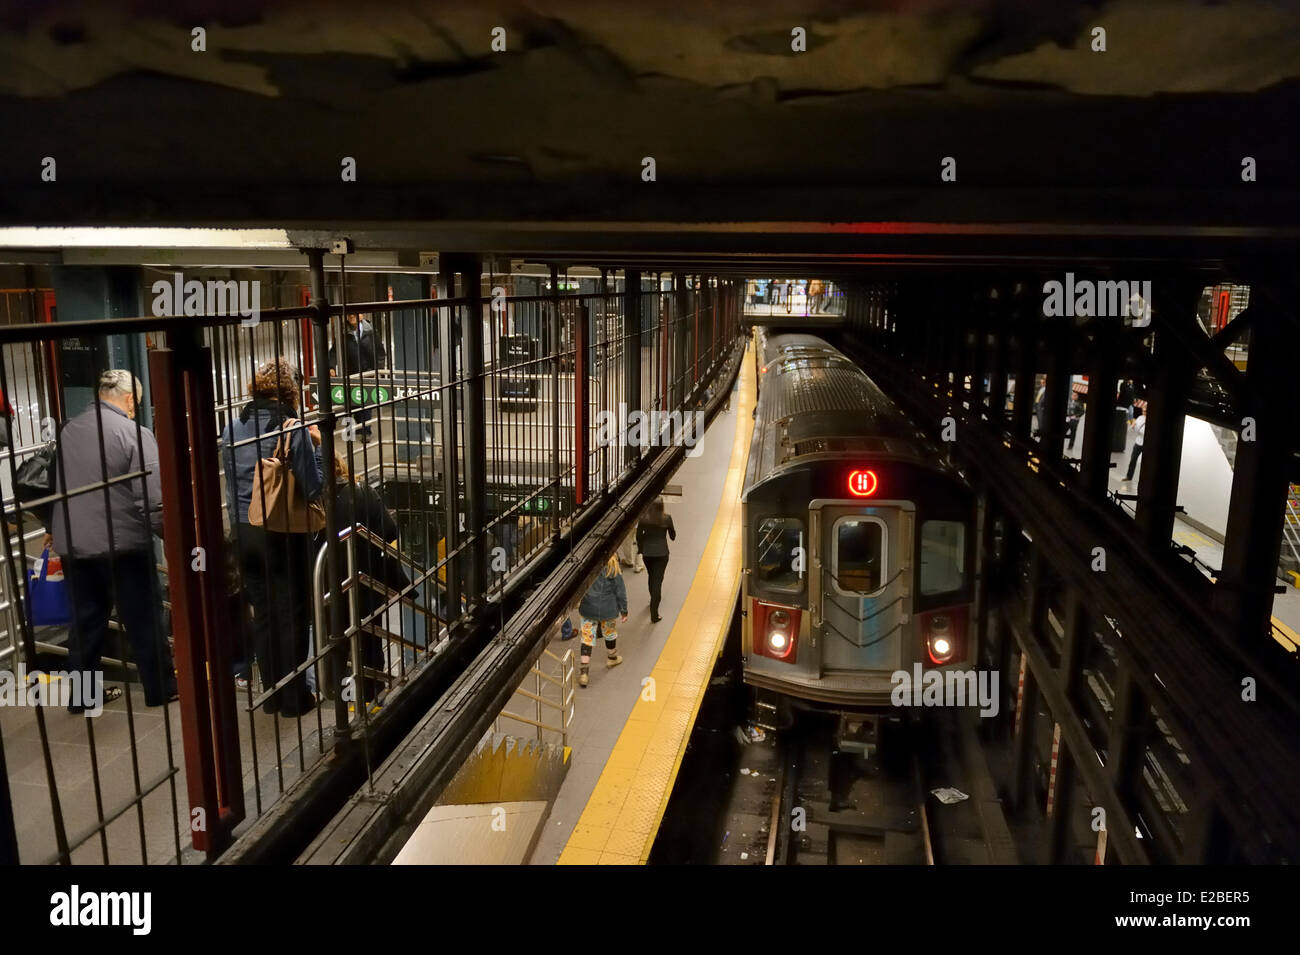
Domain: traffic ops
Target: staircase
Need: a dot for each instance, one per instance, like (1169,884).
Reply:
(1289,558)
(506,768)
(1227,438)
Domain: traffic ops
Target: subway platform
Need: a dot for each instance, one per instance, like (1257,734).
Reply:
(631,725)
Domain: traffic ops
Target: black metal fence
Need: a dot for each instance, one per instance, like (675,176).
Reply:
(448,441)
(1149,711)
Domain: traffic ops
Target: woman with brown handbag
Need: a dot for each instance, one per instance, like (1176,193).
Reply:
(273,533)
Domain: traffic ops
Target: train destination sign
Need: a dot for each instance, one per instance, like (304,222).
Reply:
(862,483)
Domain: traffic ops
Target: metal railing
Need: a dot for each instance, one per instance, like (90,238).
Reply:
(333,680)
(566,689)
(483,453)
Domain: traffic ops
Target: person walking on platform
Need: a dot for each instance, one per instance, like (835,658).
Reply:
(364,351)
(1139,435)
(106,537)
(628,555)
(605,600)
(276,567)
(652,535)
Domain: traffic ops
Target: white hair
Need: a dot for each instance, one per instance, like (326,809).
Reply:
(118,383)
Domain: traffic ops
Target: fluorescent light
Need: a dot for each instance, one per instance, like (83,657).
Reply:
(65,237)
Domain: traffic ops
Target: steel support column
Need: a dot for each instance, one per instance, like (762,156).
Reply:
(335,559)
(469,270)
(1162,447)
(1243,595)
(448,367)
(1103,372)
(581,406)
(632,352)
(1057,397)
(1026,326)
(555,404)
(999,360)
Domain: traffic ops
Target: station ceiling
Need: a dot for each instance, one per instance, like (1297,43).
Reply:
(833,154)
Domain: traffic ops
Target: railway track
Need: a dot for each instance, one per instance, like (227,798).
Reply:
(794,798)
(831,807)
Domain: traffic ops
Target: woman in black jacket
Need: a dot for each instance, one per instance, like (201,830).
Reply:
(358,505)
(652,535)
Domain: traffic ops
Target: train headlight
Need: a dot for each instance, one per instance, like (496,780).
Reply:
(776,631)
(943,633)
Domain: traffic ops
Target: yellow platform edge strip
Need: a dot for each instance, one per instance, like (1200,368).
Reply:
(620,821)
(1286,634)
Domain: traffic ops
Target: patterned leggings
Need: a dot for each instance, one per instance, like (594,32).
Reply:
(608,629)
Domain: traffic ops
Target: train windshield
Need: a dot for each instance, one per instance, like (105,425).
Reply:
(943,556)
(780,563)
(859,555)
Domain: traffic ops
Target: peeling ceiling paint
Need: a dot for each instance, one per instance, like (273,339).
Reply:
(1153,47)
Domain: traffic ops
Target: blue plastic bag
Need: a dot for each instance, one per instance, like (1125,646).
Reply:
(48,604)
(567,631)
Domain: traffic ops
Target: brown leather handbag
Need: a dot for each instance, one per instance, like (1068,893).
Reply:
(278,504)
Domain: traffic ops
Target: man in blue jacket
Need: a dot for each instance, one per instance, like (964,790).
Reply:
(605,600)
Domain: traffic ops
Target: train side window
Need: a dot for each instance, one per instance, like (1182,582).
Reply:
(780,563)
(943,556)
(858,566)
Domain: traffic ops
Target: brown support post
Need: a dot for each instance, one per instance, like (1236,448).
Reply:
(205,726)
(216,621)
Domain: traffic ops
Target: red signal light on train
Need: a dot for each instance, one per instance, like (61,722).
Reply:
(863,483)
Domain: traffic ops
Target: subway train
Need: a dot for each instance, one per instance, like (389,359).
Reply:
(859,550)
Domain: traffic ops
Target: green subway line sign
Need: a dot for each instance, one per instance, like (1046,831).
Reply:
(360,395)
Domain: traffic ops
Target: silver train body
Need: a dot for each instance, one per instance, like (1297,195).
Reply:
(859,554)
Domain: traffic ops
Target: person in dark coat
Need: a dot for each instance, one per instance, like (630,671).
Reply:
(652,535)
(359,505)
(605,600)
(275,567)
(363,351)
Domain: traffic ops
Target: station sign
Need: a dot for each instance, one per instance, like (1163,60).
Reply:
(362,396)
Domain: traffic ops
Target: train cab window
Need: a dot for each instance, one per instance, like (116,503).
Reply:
(859,560)
(779,566)
(943,556)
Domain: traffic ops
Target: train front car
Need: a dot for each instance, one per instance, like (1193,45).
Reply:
(860,544)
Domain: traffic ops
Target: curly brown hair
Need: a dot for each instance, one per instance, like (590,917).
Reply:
(277,379)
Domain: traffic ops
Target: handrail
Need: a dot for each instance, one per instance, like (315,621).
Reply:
(565,705)
(354,578)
